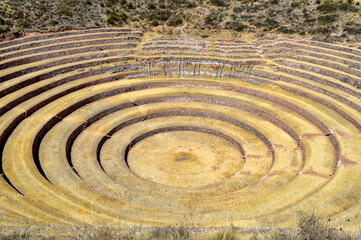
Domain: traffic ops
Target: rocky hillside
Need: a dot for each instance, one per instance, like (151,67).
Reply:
(326,20)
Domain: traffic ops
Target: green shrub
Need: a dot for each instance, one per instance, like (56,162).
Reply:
(2,21)
(191,5)
(213,19)
(286,30)
(24,23)
(237,26)
(310,20)
(275,1)
(152,17)
(238,9)
(163,15)
(295,4)
(110,3)
(346,7)
(54,22)
(175,21)
(327,7)
(271,22)
(116,19)
(327,19)
(219,3)
(70,3)
(321,30)
(179,21)
(64,10)
(155,23)
(152,6)
(130,6)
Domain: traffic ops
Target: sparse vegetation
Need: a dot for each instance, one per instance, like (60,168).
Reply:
(309,228)
(174,233)
(18,235)
(284,16)
(225,235)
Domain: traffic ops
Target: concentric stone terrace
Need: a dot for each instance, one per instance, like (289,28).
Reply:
(122,127)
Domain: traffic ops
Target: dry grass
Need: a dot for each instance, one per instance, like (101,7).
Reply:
(309,228)
(225,235)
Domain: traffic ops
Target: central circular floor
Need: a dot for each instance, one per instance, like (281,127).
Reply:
(185,158)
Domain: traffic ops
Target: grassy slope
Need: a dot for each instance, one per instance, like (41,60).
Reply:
(333,22)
